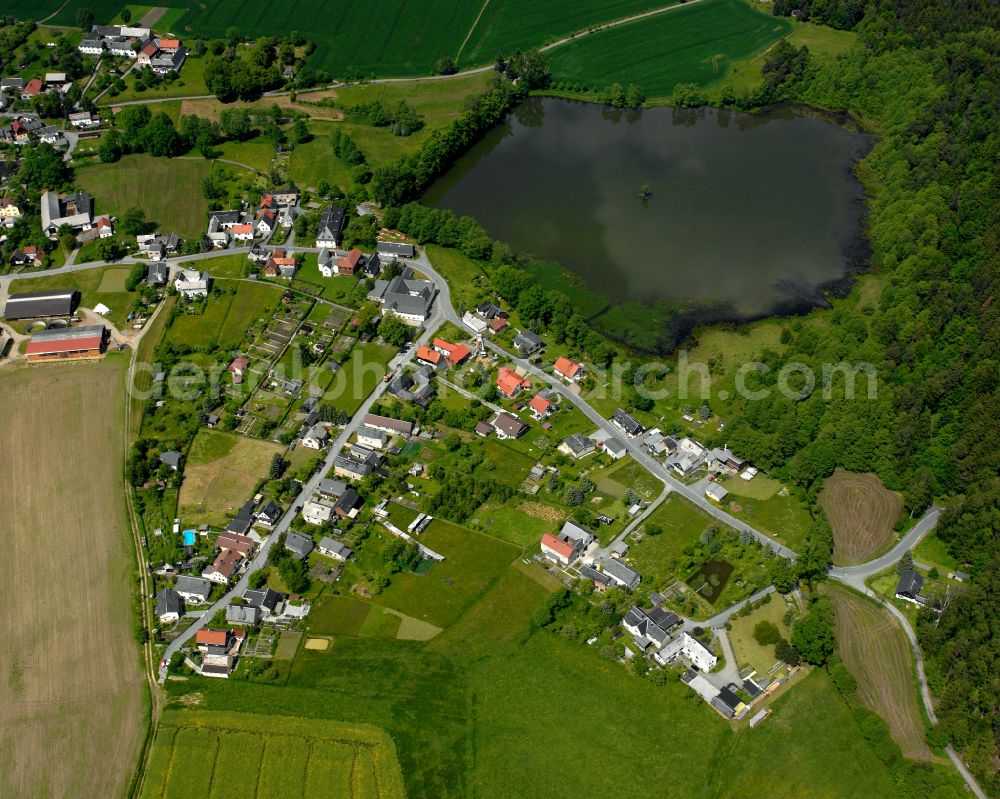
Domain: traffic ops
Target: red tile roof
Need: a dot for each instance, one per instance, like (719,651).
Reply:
(103,222)
(243,228)
(350,262)
(510,381)
(557,545)
(498,324)
(34,87)
(427,354)
(459,354)
(212,637)
(69,345)
(149,49)
(566,367)
(539,403)
(169,44)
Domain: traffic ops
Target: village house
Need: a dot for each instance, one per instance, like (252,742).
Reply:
(716,492)
(243,615)
(226,564)
(73,210)
(622,575)
(219,649)
(649,627)
(317,437)
(191,284)
(331,489)
(393,250)
(688,456)
(627,424)
(299,545)
(370,437)
(169,606)
(567,369)
(331,227)
(243,520)
(267,222)
(195,590)
(267,600)
(600,581)
(540,406)
(388,424)
(32,89)
(317,512)
(237,368)
(405,297)
(475,324)
(528,343)
(577,446)
(348,504)
(105,227)
(688,647)
(908,587)
(281,265)
(334,549)
(723,460)
(426,355)
(507,426)
(350,263)
(510,383)
(455,353)
(269,515)
(84,120)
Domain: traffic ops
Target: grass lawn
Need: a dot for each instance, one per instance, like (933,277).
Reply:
(812,728)
(462,273)
(627,475)
(314,161)
(255,153)
(697,44)
(168,190)
(190,81)
(357,379)
(233,266)
(934,552)
(252,300)
(270,756)
(343,289)
(682,524)
(472,562)
(748,652)
(521,524)
(220,474)
(105,284)
(783,517)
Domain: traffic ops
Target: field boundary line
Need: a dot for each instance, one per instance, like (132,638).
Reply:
(468,36)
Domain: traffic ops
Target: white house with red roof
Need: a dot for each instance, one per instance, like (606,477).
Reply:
(540,406)
(105,227)
(426,355)
(455,353)
(567,369)
(510,382)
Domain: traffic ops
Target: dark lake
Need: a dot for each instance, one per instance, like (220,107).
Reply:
(754,212)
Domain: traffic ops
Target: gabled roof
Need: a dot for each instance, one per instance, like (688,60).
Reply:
(508,425)
(566,367)
(621,573)
(425,353)
(539,404)
(557,545)
(910,582)
(168,601)
(212,637)
(509,381)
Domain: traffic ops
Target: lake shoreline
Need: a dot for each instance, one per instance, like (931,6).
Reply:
(661,324)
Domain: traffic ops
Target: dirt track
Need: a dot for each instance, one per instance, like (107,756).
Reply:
(862,513)
(71,701)
(877,654)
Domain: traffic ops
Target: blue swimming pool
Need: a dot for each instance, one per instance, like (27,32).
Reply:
(189,538)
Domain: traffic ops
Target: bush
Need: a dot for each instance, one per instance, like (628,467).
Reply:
(766,633)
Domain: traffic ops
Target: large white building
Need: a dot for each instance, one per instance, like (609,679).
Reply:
(688,647)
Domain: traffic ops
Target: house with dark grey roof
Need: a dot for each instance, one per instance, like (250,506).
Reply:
(156,274)
(623,575)
(243,519)
(299,545)
(388,425)
(348,504)
(507,425)
(644,626)
(601,581)
(331,489)
(334,549)
(331,226)
(909,585)
(193,589)
(269,515)
(392,250)
(38,304)
(267,600)
(405,296)
(627,424)
(528,343)
(577,446)
(169,606)
(172,458)
(244,615)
